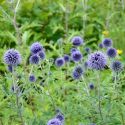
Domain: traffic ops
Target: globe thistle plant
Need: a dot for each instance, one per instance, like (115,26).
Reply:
(32,78)
(59,62)
(107,42)
(42,55)
(66,58)
(77,41)
(111,52)
(34,59)
(76,56)
(60,117)
(87,49)
(36,48)
(54,121)
(91,86)
(77,72)
(100,45)
(12,57)
(97,61)
(73,50)
(116,66)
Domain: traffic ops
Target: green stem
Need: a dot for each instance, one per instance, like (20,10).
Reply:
(16,89)
(31,70)
(18,107)
(99,96)
(87,90)
(15,23)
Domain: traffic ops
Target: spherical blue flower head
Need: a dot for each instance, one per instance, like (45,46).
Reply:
(10,68)
(59,62)
(100,45)
(73,50)
(107,42)
(66,58)
(42,55)
(116,66)
(91,86)
(60,117)
(77,41)
(54,121)
(111,52)
(77,73)
(87,50)
(32,78)
(12,57)
(97,61)
(34,59)
(76,56)
(36,48)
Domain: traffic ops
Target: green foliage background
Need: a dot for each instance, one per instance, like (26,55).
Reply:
(45,19)
(50,21)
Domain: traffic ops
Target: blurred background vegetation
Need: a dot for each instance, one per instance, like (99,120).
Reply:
(54,19)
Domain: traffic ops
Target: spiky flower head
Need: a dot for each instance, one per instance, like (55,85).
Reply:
(111,52)
(76,56)
(12,57)
(116,66)
(42,55)
(32,78)
(77,72)
(66,58)
(77,41)
(91,86)
(100,45)
(60,116)
(59,62)
(73,50)
(87,49)
(34,59)
(54,121)
(97,60)
(107,42)
(36,48)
